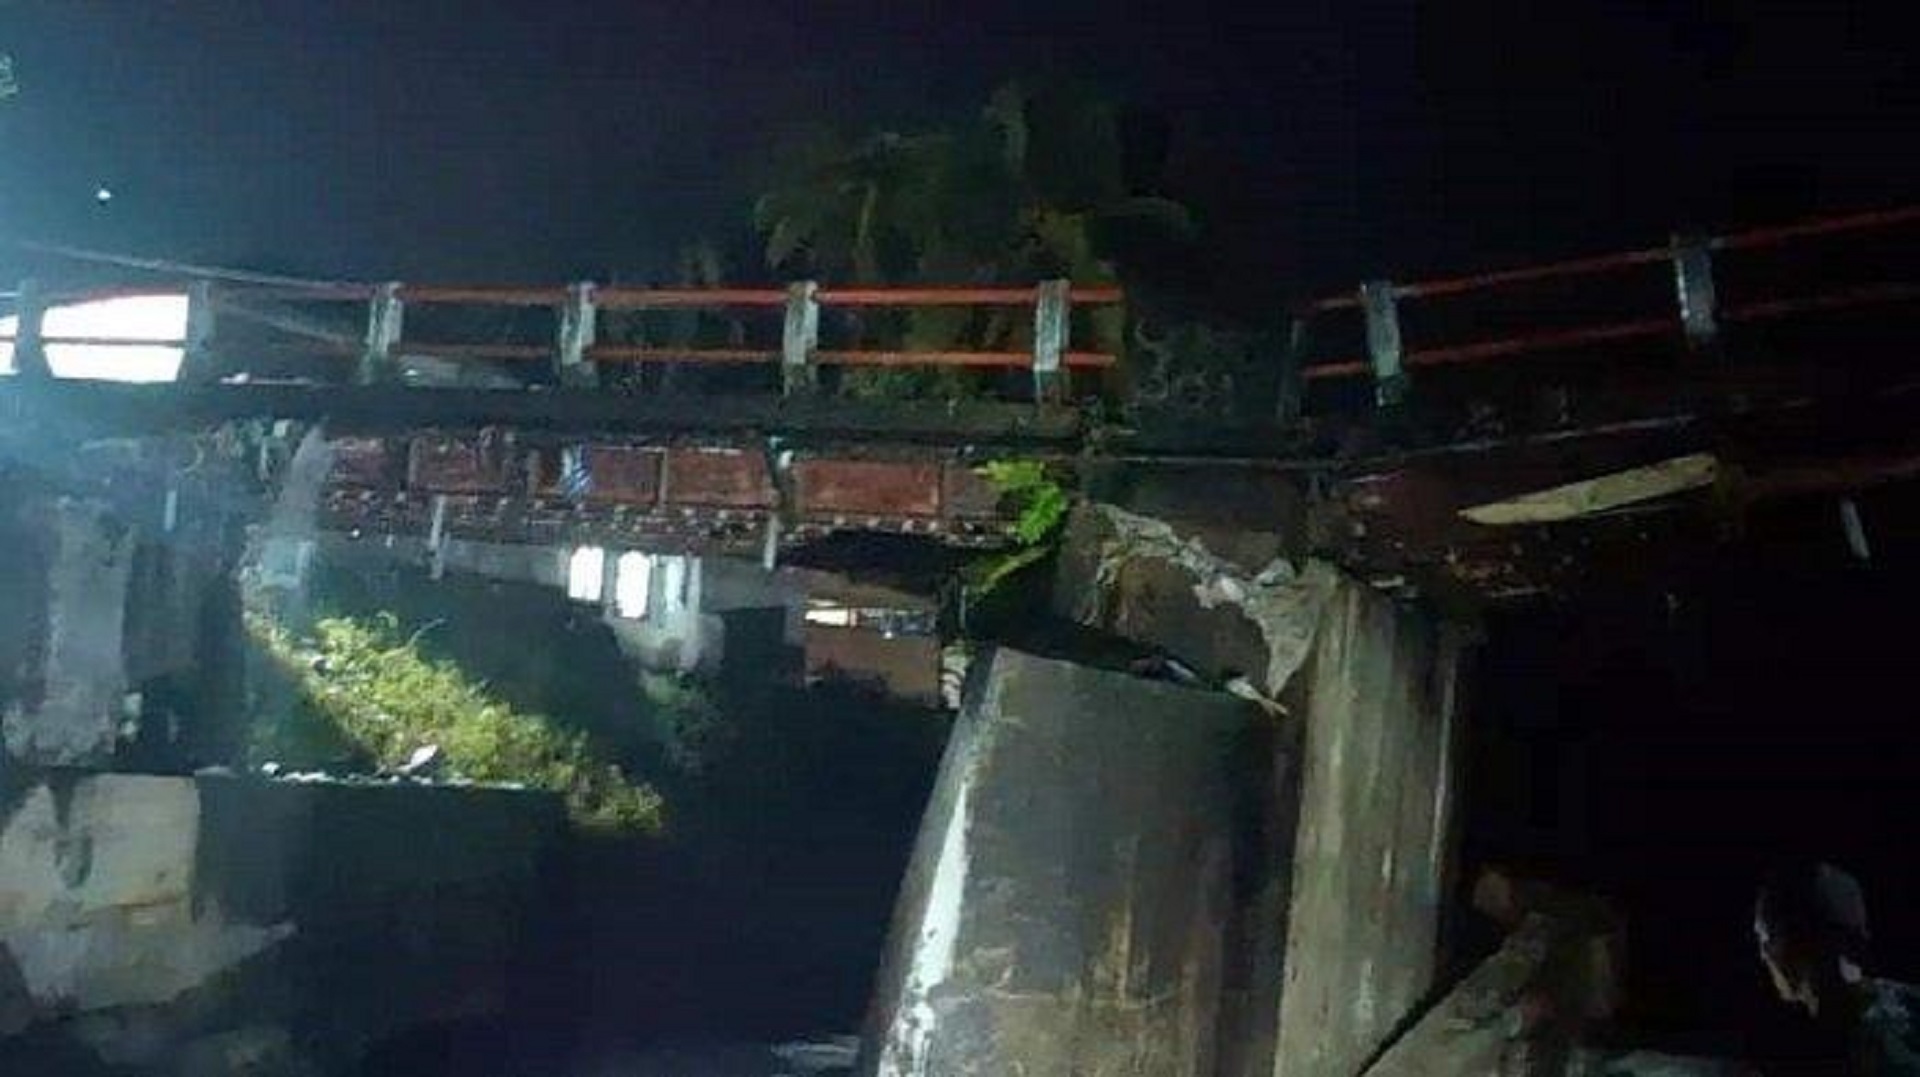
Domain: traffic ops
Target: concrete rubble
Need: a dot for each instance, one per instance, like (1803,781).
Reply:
(158,917)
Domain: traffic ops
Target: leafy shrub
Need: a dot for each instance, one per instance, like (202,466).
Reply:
(1040,504)
(364,688)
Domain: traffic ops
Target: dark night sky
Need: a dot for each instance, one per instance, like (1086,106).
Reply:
(375,138)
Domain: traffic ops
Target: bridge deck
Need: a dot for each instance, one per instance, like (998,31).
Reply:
(1409,401)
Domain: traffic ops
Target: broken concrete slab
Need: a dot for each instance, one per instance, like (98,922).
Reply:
(185,906)
(96,895)
(1526,1009)
(1145,579)
(1067,905)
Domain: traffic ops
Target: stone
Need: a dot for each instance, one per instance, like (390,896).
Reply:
(1165,586)
(96,896)
(1069,899)
(144,912)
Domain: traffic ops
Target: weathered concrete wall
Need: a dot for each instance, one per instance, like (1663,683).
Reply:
(118,621)
(68,708)
(1069,899)
(1366,688)
(1372,855)
(343,913)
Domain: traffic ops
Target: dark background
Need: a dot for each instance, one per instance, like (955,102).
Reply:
(1322,140)
(1665,747)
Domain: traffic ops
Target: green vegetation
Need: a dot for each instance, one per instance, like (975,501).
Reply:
(693,733)
(367,700)
(1040,504)
(1036,496)
(1038,186)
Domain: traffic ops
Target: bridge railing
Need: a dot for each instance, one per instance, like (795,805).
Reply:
(312,315)
(1678,297)
(1695,310)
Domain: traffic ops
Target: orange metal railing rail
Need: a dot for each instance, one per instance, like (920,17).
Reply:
(578,355)
(1696,317)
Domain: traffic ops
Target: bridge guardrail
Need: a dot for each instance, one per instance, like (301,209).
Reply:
(576,353)
(1694,305)
(1695,314)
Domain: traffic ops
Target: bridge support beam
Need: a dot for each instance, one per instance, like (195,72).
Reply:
(1361,690)
(1068,905)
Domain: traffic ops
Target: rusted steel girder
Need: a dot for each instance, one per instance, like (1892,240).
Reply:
(513,487)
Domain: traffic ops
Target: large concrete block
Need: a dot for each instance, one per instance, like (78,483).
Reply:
(1375,841)
(96,895)
(1068,901)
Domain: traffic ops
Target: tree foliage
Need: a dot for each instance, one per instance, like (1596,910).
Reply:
(1036,186)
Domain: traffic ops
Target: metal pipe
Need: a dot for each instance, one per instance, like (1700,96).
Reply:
(104,342)
(1826,226)
(1451,286)
(1566,338)
(961,297)
(1603,263)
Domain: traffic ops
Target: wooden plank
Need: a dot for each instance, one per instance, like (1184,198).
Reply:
(1590,496)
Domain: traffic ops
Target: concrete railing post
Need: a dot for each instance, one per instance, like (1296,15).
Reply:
(437,538)
(1693,282)
(800,338)
(29,354)
(1290,400)
(385,315)
(196,356)
(579,321)
(1384,352)
(1051,319)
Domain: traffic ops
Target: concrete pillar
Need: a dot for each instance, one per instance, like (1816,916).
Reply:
(1067,906)
(1373,852)
(64,707)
